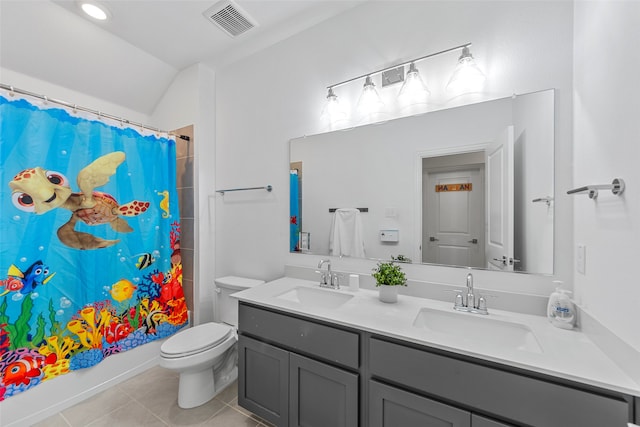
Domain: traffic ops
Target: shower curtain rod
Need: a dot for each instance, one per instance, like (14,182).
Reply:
(98,113)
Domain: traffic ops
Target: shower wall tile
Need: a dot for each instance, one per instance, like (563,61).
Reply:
(186,235)
(182,148)
(185,199)
(184,172)
(186,202)
(187,263)
(187,286)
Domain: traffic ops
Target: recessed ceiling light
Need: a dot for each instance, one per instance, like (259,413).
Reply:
(94,10)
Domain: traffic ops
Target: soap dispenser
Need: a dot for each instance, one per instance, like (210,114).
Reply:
(560,310)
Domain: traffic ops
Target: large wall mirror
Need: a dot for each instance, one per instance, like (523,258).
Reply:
(468,186)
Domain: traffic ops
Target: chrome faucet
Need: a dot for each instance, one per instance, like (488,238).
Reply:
(328,279)
(471,298)
(469,303)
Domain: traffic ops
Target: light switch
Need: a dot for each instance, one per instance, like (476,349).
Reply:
(581,261)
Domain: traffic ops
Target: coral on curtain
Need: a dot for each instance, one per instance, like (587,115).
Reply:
(89,255)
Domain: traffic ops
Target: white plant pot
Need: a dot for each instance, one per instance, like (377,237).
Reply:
(388,294)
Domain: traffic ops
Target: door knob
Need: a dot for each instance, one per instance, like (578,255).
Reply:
(474,241)
(503,260)
(433,239)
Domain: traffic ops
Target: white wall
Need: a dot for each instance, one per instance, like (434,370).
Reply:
(607,146)
(190,99)
(278,94)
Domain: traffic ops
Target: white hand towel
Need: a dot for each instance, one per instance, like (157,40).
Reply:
(346,237)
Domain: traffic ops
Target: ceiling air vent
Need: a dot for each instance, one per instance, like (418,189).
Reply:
(230,18)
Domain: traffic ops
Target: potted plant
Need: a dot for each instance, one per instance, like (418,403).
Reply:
(388,277)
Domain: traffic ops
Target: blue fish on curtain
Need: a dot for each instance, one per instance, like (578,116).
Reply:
(294,209)
(89,254)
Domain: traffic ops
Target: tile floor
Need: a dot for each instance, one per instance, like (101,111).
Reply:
(151,399)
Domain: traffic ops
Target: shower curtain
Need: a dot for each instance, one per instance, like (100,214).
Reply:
(294,211)
(89,241)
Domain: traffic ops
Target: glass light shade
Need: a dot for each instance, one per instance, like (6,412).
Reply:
(467,77)
(370,101)
(334,110)
(414,90)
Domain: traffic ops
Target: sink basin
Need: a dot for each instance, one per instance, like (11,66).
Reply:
(315,297)
(475,328)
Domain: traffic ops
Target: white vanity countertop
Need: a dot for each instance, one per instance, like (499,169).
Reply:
(567,354)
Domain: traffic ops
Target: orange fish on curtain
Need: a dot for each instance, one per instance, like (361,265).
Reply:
(83,256)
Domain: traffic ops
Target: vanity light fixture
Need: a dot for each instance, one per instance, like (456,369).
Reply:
(467,77)
(334,109)
(370,101)
(414,90)
(94,10)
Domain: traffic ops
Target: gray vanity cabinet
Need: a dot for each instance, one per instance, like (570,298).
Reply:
(517,397)
(263,380)
(297,372)
(393,407)
(321,395)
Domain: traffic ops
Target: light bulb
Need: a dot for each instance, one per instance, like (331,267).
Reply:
(370,101)
(467,77)
(414,90)
(334,110)
(94,11)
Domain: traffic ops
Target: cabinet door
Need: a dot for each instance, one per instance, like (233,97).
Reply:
(263,380)
(321,395)
(478,421)
(392,407)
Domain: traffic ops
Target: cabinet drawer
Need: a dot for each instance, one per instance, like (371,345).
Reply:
(303,336)
(518,398)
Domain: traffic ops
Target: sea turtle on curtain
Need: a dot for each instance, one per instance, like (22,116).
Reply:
(38,190)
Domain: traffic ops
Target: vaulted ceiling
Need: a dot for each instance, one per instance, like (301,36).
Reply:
(131,58)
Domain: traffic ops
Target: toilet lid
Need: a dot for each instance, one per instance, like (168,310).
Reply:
(197,339)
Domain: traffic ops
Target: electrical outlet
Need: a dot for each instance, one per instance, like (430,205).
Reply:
(581,261)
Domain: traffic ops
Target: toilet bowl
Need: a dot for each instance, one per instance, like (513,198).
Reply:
(205,356)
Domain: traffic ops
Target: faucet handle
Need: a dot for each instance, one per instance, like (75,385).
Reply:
(335,280)
(481,308)
(459,301)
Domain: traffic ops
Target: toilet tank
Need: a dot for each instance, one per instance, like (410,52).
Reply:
(227,306)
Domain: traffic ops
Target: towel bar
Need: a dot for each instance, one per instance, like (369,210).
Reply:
(616,187)
(331,210)
(268,188)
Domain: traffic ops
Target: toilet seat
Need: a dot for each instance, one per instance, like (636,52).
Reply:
(195,340)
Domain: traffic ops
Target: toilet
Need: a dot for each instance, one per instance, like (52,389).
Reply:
(205,356)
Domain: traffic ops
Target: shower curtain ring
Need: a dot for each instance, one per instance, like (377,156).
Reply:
(46,100)
(11,92)
(75,108)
